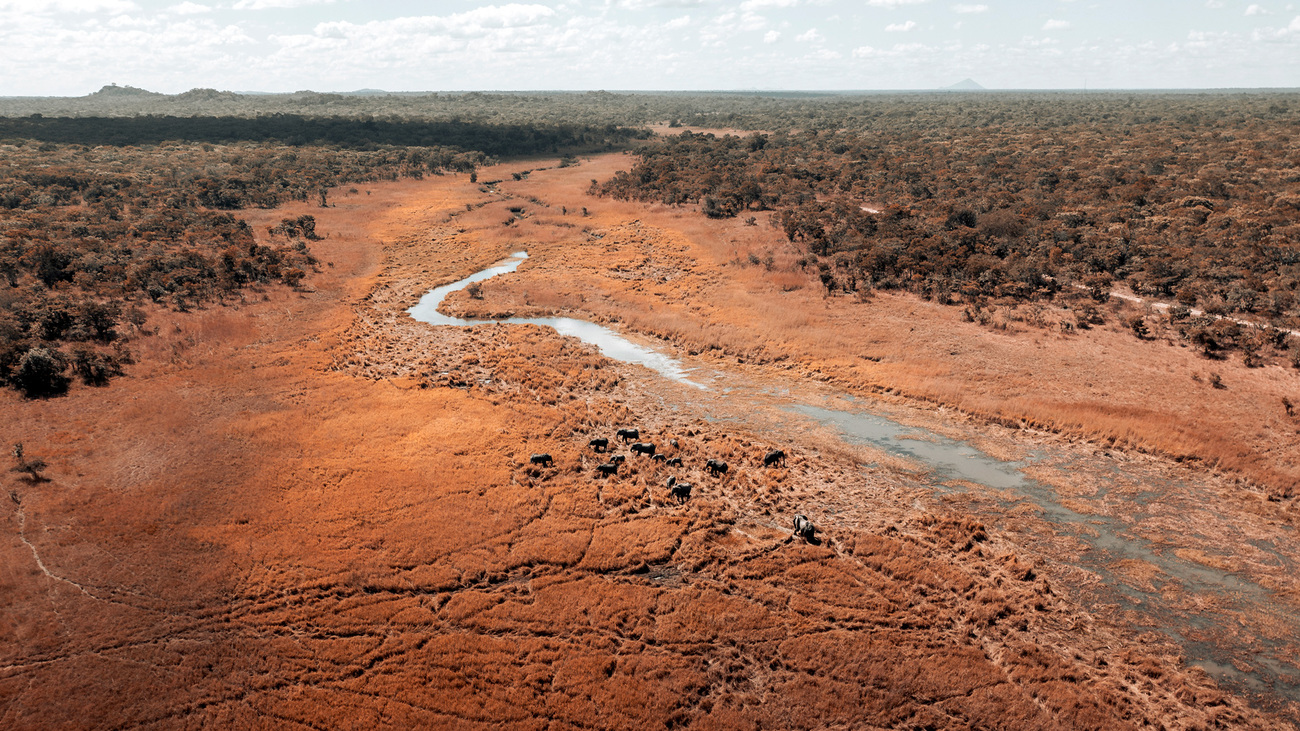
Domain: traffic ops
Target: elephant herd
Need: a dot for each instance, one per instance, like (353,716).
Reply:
(679,490)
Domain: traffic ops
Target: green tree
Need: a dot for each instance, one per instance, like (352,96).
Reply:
(40,372)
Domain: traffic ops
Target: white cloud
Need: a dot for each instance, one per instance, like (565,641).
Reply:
(750,6)
(189,8)
(1290,31)
(269,4)
(1256,10)
(898,50)
(474,23)
(75,46)
(642,4)
(1206,40)
(1056,25)
(513,15)
(751,22)
(129,21)
(69,6)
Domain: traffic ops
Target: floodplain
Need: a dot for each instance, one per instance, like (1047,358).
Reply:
(300,506)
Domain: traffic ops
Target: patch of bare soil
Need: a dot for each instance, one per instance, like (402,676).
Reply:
(312,511)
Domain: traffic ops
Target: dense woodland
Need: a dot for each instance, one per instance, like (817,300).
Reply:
(1198,205)
(105,219)
(446,138)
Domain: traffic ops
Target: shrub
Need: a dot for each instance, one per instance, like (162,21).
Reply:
(40,372)
(93,367)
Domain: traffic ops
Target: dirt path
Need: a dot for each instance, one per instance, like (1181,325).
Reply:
(1164,307)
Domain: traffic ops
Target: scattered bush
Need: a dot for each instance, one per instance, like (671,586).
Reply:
(1013,198)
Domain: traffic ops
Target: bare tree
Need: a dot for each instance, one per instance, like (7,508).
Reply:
(32,467)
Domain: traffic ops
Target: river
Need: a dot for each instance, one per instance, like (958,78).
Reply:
(1226,623)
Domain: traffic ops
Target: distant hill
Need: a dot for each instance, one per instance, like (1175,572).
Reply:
(206,95)
(965,85)
(113,90)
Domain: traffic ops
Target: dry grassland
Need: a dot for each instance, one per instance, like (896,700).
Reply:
(675,275)
(310,511)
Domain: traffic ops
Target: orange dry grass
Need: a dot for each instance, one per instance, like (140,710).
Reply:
(250,533)
(673,274)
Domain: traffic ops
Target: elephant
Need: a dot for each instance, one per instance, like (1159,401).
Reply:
(541,459)
(679,490)
(716,467)
(629,434)
(774,457)
(599,445)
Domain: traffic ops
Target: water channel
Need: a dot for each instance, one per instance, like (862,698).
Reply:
(1206,634)
(610,343)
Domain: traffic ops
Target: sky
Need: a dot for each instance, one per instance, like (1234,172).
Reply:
(74,47)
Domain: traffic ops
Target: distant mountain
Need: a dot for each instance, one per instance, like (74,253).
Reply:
(965,85)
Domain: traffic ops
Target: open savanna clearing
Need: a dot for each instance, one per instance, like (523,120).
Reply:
(309,510)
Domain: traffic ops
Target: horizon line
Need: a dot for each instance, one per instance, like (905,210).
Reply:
(751,91)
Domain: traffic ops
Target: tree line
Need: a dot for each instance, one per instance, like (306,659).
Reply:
(365,133)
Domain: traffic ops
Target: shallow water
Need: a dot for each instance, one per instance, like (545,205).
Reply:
(610,343)
(1208,635)
(943,457)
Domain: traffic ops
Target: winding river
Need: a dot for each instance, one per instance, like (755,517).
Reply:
(1208,634)
(610,343)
